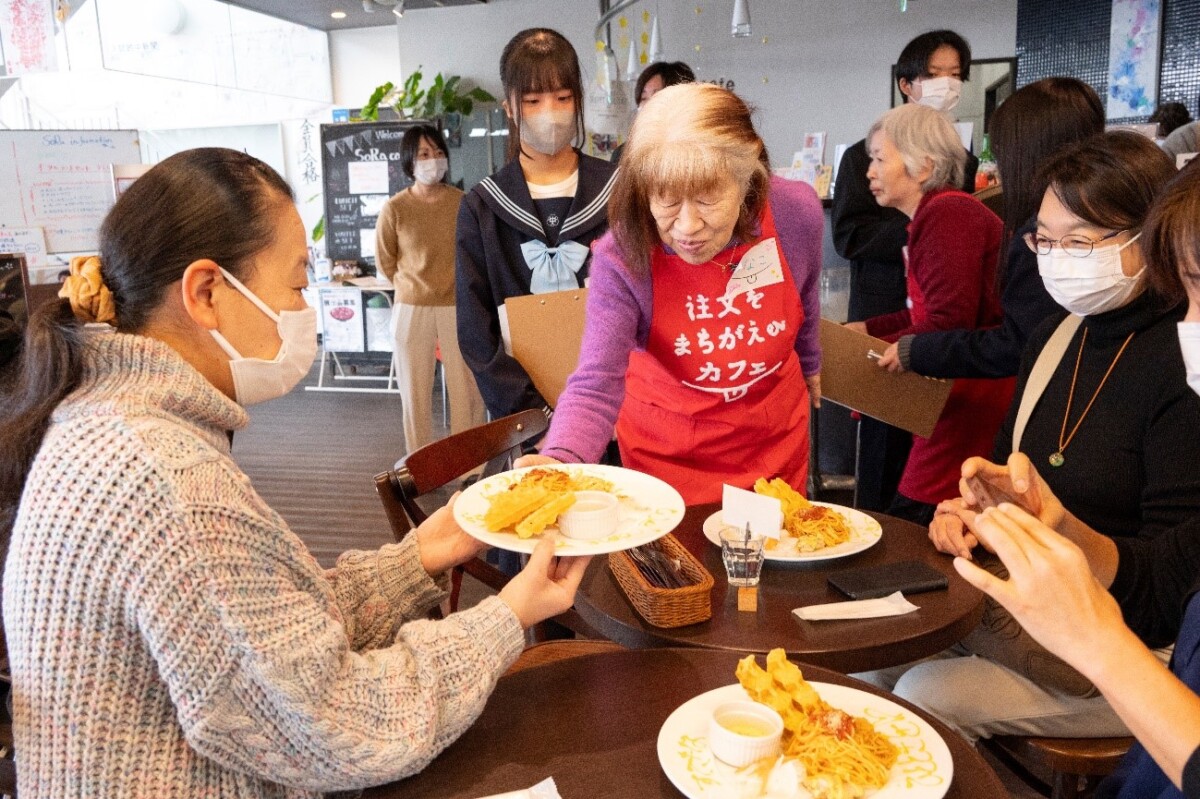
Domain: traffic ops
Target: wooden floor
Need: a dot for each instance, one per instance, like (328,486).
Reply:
(312,456)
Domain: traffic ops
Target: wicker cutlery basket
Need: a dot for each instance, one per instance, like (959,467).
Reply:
(666,607)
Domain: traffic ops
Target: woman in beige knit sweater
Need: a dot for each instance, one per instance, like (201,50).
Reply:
(169,636)
(414,248)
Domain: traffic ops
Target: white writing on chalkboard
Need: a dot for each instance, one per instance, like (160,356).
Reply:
(375,154)
(361,170)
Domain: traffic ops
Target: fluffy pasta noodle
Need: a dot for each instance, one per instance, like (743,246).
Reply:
(812,526)
(843,756)
(533,503)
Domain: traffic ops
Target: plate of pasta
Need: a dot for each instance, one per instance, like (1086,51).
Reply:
(811,530)
(838,741)
(514,509)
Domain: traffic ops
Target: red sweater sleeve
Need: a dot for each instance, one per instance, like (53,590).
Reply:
(954,243)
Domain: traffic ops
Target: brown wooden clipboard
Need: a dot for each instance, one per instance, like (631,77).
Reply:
(546,331)
(850,377)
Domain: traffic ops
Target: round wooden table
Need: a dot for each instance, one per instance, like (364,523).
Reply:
(945,616)
(592,724)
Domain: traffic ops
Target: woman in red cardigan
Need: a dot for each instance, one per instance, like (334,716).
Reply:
(951,259)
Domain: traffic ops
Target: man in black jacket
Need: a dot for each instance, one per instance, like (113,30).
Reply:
(930,71)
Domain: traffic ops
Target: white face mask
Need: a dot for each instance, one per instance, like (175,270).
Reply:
(1189,345)
(1091,285)
(549,131)
(428,171)
(257,379)
(940,94)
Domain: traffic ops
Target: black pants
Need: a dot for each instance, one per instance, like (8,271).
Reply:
(911,510)
(882,456)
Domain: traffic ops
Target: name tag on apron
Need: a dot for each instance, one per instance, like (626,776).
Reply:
(758,268)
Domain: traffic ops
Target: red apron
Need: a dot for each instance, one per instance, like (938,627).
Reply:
(718,396)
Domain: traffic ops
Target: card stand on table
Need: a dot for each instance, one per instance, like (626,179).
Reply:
(337,305)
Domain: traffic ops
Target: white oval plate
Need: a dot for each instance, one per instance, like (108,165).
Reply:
(865,533)
(647,509)
(924,769)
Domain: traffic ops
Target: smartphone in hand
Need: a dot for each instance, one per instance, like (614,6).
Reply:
(989,496)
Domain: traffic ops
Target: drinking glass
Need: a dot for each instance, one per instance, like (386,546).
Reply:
(742,555)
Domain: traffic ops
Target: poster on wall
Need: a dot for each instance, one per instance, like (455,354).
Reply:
(1133,58)
(302,154)
(360,166)
(342,320)
(27,36)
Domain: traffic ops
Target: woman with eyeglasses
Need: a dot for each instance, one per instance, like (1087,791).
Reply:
(1103,410)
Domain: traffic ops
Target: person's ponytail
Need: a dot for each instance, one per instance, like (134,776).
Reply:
(46,368)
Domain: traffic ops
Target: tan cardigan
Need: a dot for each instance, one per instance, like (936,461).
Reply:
(414,246)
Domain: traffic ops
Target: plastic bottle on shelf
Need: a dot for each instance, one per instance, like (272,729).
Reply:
(987,174)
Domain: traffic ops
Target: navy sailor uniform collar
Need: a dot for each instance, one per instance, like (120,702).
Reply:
(507,194)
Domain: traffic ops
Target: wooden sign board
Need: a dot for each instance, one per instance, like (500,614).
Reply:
(546,331)
(851,377)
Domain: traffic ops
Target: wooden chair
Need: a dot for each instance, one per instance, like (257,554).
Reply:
(550,651)
(993,198)
(1074,765)
(434,465)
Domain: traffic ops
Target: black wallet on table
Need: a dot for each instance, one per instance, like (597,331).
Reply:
(869,582)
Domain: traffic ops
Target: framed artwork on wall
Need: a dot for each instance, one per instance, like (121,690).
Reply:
(1133,58)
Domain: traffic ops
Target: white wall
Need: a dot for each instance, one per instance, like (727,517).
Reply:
(824,66)
(361,59)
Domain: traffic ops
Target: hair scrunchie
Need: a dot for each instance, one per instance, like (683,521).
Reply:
(91,301)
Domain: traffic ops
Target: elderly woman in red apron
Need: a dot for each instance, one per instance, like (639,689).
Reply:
(700,348)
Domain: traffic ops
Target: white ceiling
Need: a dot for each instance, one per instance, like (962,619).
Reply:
(315,13)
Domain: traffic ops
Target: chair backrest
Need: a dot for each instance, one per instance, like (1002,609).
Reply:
(434,465)
(396,515)
(993,198)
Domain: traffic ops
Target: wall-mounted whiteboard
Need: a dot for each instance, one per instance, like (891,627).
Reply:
(61,181)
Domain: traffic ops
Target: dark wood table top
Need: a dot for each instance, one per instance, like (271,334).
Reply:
(592,724)
(945,616)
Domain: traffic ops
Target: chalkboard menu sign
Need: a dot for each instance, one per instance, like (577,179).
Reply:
(13,282)
(361,164)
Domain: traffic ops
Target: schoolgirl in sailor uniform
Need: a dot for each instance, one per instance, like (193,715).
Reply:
(527,229)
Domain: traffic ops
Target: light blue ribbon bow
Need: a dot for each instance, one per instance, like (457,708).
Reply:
(553,268)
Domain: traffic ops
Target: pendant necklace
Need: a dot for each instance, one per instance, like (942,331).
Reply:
(1056,458)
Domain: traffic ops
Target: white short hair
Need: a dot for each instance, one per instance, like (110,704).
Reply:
(921,135)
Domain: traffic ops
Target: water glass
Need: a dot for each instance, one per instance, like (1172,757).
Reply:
(742,555)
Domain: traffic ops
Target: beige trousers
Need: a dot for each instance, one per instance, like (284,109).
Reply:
(419,329)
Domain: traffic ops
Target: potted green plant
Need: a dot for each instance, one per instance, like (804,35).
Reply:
(442,97)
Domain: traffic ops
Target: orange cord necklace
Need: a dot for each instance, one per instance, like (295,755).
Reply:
(1056,458)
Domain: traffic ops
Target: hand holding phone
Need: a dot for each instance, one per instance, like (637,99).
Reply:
(989,495)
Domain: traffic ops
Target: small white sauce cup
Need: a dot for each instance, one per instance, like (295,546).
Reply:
(741,732)
(593,516)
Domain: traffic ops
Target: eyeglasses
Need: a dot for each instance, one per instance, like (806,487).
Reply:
(1078,246)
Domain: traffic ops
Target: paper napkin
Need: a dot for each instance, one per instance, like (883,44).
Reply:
(546,789)
(891,605)
(764,514)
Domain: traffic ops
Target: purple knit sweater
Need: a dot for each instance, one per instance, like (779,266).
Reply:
(619,308)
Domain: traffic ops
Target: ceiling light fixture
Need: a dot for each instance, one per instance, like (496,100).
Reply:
(741,18)
(338,14)
(398,9)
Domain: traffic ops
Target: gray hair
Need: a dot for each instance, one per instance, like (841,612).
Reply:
(922,135)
